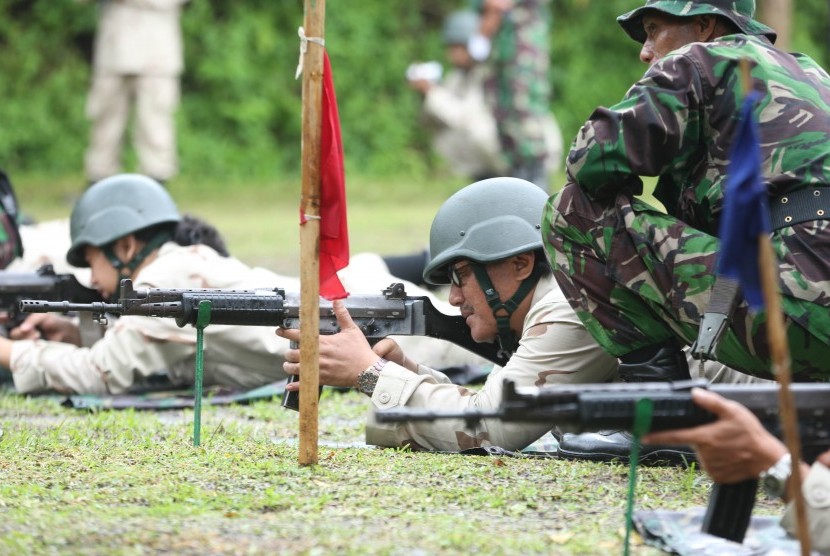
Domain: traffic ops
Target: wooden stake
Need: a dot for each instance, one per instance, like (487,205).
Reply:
(314,25)
(780,356)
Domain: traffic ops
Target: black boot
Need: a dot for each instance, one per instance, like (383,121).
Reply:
(658,363)
(610,445)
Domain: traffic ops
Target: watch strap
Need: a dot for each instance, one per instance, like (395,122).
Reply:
(774,480)
(368,379)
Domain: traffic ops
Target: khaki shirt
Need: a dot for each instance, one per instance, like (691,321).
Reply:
(816,489)
(139,37)
(554,349)
(137,346)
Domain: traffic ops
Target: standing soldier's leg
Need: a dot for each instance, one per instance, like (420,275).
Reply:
(155,131)
(639,278)
(108,108)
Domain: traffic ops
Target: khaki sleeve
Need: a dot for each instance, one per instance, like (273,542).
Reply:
(816,489)
(555,350)
(134,346)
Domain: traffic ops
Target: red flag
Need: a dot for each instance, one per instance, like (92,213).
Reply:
(334,234)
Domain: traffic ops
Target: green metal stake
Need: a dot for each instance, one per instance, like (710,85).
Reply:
(642,424)
(202,320)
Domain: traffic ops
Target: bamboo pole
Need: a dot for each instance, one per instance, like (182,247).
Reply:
(314,24)
(780,355)
(780,358)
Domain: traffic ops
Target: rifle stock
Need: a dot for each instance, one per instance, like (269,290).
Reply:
(594,407)
(378,316)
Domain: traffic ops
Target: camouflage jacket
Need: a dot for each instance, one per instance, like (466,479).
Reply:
(520,84)
(677,123)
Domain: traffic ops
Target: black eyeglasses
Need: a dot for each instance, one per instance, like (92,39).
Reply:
(454,274)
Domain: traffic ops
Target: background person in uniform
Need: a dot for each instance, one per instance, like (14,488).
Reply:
(137,61)
(460,110)
(455,109)
(517,47)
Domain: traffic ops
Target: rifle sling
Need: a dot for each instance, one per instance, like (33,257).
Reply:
(716,318)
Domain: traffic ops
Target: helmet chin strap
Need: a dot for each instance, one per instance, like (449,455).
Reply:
(507,338)
(125,269)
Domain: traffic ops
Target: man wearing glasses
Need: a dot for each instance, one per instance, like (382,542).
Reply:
(486,244)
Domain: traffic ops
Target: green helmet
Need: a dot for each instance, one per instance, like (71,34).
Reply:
(485,222)
(739,12)
(459,27)
(115,207)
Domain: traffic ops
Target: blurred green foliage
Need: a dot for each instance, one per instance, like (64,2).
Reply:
(241,106)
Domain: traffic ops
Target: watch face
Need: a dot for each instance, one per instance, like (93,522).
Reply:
(774,480)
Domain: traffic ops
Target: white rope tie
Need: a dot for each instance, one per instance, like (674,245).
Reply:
(303,47)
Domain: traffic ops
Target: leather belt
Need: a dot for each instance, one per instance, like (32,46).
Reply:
(802,205)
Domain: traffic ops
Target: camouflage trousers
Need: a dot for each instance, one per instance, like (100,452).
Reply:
(637,276)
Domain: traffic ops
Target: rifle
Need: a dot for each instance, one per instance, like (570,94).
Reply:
(378,316)
(593,407)
(42,284)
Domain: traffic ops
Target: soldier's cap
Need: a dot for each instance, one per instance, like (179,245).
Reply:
(739,12)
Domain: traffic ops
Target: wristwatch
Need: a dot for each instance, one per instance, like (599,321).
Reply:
(368,379)
(774,480)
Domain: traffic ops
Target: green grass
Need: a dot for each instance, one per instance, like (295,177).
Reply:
(132,483)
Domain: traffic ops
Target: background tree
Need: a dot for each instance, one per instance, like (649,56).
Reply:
(240,112)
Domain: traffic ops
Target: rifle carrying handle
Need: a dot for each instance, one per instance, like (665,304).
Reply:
(291,400)
(730,510)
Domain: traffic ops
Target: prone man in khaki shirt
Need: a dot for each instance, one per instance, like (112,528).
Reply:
(485,238)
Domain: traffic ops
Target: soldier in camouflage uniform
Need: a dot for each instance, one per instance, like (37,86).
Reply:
(640,278)
(520,84)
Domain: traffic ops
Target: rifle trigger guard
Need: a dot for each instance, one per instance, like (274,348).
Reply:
(712,326)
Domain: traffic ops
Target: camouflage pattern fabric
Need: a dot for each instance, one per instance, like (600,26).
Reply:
(11,247)
(637,276)
(678,532)
(740,12)
(520,84)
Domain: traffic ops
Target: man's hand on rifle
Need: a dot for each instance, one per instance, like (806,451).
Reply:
(734,448)
(47,326)
(344,355)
